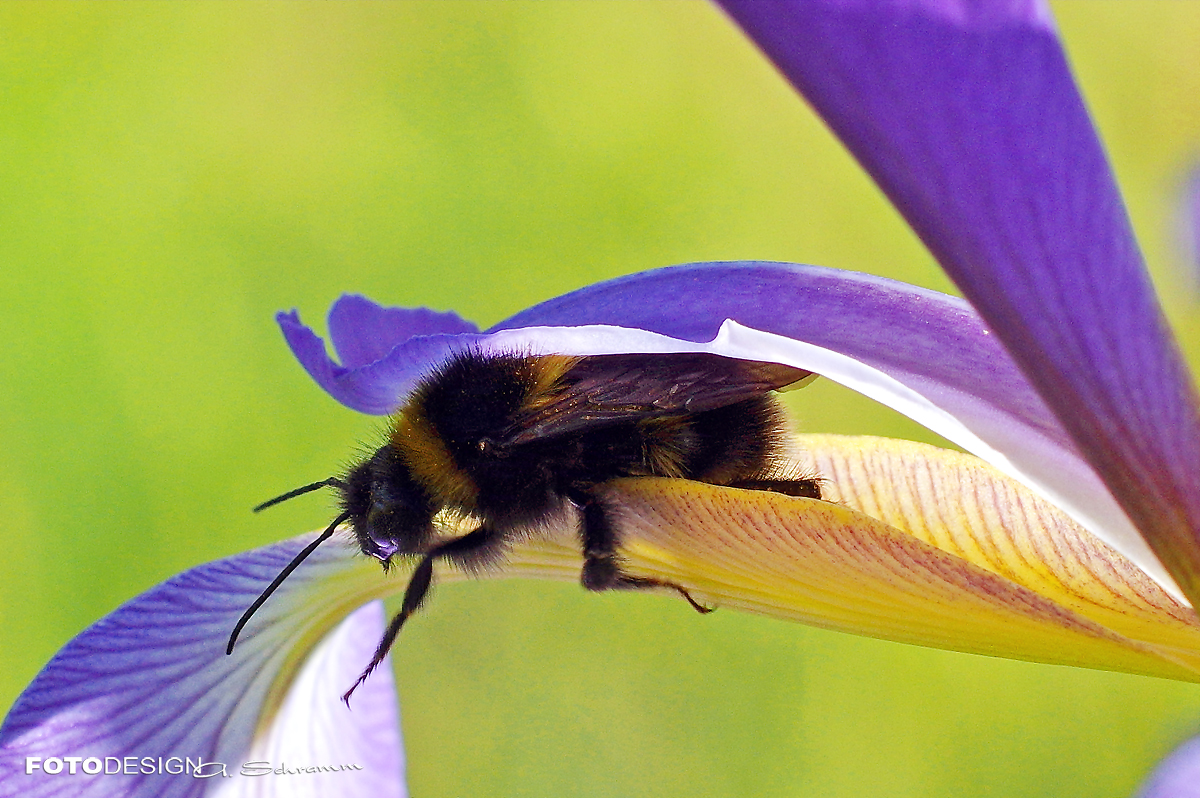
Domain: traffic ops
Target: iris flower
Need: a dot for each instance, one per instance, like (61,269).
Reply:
(1068,535)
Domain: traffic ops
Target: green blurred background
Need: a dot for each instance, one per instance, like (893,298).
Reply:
(173,174)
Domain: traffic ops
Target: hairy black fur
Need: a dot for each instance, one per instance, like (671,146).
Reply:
(515,441)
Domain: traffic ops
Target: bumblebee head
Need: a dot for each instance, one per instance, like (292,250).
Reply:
(388,511)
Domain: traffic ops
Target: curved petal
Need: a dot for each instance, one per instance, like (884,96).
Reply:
(376,387)
(963,506)
(968,118)
(830,565)
(152,680)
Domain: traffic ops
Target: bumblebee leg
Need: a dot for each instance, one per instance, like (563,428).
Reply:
(601,563)
(471,550)
(803,488)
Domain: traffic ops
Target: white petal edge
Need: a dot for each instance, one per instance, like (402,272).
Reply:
(315,745)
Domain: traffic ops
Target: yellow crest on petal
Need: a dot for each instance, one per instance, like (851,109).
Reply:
(916,544)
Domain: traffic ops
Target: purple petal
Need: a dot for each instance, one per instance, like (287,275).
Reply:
(968,118)
(363,332)
(1178,776)
(152,680)
(890,325)
(375,387)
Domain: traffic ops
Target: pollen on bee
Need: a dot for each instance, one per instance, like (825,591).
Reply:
(544,376)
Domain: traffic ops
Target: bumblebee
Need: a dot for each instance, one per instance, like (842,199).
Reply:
(521,443)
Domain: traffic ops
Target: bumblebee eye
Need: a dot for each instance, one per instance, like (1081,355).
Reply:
(380,543)
(377,516)
(486,445)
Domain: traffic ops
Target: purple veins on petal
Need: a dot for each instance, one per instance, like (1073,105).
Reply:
(152,679)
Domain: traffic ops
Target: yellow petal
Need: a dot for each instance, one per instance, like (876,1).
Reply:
(959,557)
(964,506)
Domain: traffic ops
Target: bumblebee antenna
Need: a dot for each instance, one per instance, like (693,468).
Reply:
(332,482)
(286,572)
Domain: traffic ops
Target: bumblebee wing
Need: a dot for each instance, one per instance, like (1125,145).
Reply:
(605,389)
